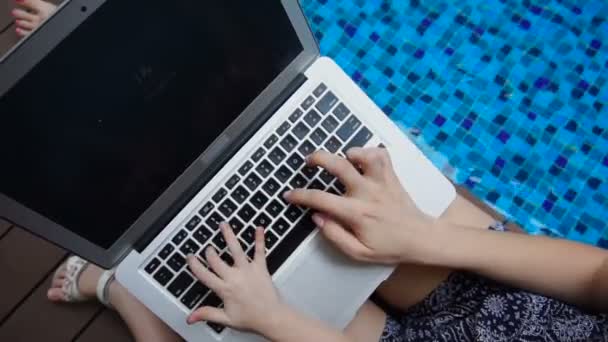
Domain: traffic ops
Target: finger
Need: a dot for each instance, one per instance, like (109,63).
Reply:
(341,208)
(340,237)
(21,32)
(260,246)
(233,245)
(24,15)
(217,264)
(210,314)
(26,25)
(373,161)
(203,274)
(337,166)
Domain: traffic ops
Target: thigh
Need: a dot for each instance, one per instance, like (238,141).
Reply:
(410,284)
(368,324)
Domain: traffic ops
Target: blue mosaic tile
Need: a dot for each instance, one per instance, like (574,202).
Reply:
(508,98)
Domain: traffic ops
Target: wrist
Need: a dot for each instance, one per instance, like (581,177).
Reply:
(276,321)
(427,245)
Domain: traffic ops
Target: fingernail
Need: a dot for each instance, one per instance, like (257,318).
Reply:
(287,194)
(318,220)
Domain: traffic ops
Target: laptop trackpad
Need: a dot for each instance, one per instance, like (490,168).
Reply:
(326,284)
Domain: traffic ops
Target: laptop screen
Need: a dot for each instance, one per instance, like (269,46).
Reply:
(98,130)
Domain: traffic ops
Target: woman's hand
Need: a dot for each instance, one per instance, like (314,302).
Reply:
(251,301)
(376,220)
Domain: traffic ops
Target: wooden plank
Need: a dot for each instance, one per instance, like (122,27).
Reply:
(38,319)
(6,6)
(24,261)
(7,40)
(4,227)
(107,327)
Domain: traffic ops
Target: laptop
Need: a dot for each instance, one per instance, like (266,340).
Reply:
(131,129)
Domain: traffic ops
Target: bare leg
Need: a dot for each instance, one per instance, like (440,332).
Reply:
(142,323)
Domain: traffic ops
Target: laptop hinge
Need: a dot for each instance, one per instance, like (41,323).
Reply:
(173,210)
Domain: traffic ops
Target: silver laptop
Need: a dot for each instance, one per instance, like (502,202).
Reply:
(131,129)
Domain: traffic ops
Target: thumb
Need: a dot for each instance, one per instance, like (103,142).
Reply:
(342,238)
(211,314)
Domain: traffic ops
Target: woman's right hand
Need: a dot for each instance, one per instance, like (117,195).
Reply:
(376,220)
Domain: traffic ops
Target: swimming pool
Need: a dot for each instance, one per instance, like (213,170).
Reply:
(507,98)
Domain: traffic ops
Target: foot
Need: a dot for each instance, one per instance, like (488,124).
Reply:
(30,14)
(87,283)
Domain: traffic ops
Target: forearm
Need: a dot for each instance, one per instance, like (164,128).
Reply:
(292,326)
(558,268)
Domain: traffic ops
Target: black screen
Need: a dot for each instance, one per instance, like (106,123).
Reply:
(98,130)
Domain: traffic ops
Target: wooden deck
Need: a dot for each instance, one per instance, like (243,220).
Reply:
(26,267)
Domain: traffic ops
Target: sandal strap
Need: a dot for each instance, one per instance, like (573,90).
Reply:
(74,268)
(103,286)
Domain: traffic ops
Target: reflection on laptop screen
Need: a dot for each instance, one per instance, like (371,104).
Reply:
(102,127)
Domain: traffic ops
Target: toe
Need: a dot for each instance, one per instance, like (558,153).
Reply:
(57,282)
(29,5)
(55,295)
(24,24)
(21,32)
(20,14)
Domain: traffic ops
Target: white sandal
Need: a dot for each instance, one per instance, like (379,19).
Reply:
(74,268)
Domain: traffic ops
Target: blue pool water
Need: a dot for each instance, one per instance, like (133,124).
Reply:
(507,98)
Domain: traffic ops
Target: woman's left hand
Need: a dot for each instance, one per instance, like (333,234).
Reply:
(251,301)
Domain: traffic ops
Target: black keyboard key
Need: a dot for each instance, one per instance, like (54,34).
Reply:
(212,300)
(320,90)
(280,227)
(348,128)
(252,181)
(340,187)
(359,140)
(282,195)
(262,220)
(289,244)
(251,253)
(259,154)
(308,102)
(245,168)
(264,168)
(163,275)
(218,328)
(277,156)
(219,195)
(333,145)
(259,200)
(214,221)
(298,182)
(318,136)
(244,245)
(306,148)
(289,143)
(310,171)
(240,194)
(341,112)
(202,235)
(193,223)
(300,130)
(283,174)
(333,191)
(176,262)
(271,141)
(180,284)
(246,213)
(293,213)
(327,177)
(270,239)
(227,208)
(179,237)
(296,115)
(190,247)
(248,235)
(152,266)
(316,185)
(271,187)
(327,103)
(283,128)
(227,258)
(295,161)
(206,209)
(234,180)
(194,295)
(236,225)
(274,208)
(219,241)
(312,118)
(330,124)
(164,253)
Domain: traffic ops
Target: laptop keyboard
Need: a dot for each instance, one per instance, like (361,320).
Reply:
(252,197)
